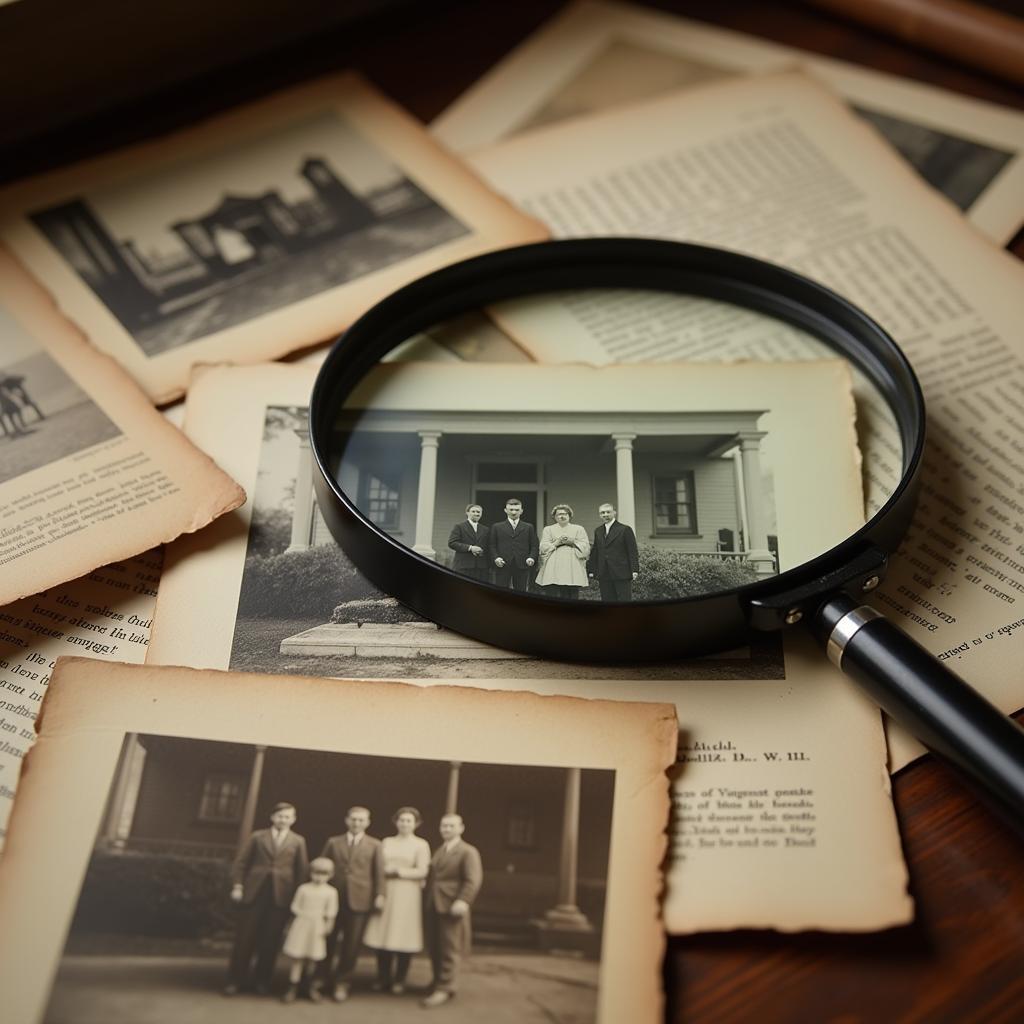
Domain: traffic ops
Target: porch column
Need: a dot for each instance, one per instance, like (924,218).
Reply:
(757,539)
(741,501)
(625,495)
(252,794)
(302,513)
(429,440)
(125,795)
(566,916)
(451,800)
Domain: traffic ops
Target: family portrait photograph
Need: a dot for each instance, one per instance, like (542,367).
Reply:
(44,415)
(304,608)
(232,881)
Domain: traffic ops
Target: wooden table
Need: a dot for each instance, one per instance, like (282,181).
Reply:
(963,958)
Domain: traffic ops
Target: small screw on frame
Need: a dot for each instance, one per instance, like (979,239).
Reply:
(793,616)
(870,583)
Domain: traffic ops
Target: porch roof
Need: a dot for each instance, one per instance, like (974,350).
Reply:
(636,424)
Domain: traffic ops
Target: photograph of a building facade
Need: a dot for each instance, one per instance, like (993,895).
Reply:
(687,483)
(251,233)
(691,488)
(180,810)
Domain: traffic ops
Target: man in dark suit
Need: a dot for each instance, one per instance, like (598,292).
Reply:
(468,540)
(614,560)
(359,878)
(270,866)
(513,548)
(454,880)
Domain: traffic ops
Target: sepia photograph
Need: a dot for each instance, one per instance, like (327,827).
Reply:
(262,231)
(304,608)
(228,879)
(199,247)
(44,415)
(334,849)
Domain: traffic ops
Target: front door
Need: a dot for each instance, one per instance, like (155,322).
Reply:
(493,503)
(495,480)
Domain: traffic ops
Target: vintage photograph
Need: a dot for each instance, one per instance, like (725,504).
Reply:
(324,849)
(613,505)
(229,880)
(629,509)
(203,245)
(44,414)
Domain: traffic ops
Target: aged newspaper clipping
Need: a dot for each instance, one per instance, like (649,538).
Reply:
(784,818)
(89,472)
(786,173)
(254,234)
(539,816)
(599,54)
(106,614)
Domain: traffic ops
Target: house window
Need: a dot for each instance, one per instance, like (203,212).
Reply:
(675,510)
(380,501)
(521,829)
(222,799)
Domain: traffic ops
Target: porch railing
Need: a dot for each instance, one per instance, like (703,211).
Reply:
(175,848)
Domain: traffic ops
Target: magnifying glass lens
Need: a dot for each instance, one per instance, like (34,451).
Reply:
(721,449)
(640,469)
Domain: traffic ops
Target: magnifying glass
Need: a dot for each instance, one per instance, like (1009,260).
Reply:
(588,517)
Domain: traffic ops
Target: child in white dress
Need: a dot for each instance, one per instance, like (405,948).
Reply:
(315,907)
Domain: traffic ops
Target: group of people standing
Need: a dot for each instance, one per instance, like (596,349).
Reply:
(14,400)
(392,896)
(561,561)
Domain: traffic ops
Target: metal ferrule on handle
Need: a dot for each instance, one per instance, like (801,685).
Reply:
(936,705)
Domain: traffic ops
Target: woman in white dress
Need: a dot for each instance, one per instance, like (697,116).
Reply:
(397,931)
(564,548)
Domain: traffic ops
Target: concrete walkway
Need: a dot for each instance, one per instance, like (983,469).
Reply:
(499,988)
(378,640)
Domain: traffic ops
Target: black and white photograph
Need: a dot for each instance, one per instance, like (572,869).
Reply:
(642,517)
(204,244)
(44,415)
(960,168)
(566,498)
(239,882)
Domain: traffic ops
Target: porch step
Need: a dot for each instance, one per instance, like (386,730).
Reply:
(404,640)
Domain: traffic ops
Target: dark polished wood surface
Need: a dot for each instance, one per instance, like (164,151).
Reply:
(963,958)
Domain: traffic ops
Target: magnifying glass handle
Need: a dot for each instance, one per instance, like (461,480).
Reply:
(936,705)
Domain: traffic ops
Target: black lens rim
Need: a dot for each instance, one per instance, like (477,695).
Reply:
(606,631)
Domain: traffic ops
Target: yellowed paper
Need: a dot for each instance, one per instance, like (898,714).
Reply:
(117,742)
(89,472)
(105,615)
(262,231)
(598,54)
(834,203)
(261,591)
